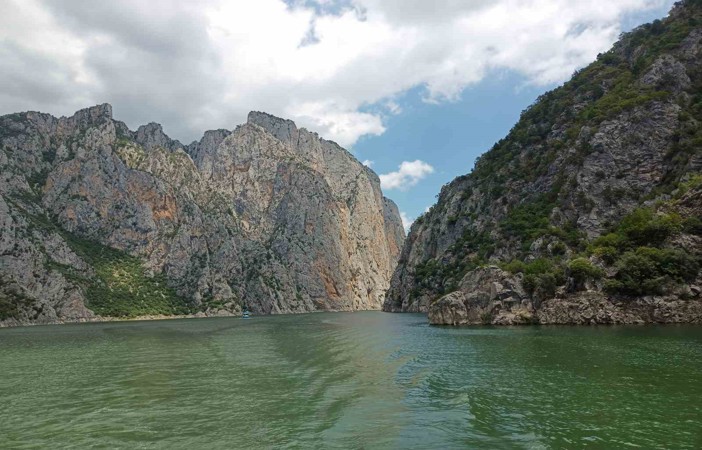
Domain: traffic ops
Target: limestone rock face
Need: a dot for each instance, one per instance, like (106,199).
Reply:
(268,217)
(486,296)
(563,202)
(495,297)
(591,308)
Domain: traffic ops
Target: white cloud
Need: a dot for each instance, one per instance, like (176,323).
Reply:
(199,65)
(368,163)
(408,174)
(393,107)
(406,221)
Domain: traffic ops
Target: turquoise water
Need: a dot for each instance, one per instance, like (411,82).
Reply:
(350,380)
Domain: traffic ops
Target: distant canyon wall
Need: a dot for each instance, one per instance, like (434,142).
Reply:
(101,220)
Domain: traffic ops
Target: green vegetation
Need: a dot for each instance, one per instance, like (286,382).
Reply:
(646,271)
(551,138)
(693,225)
(685,187)
(646,227)
(528,221)
(467,253)
(643,227)
(8,307)
(541,276)
(607,87)
(121,288)
(633,247)
(37,180)
(624,96)
(208,302)
(440,278)
(12,300)
(581,269)
(542,285)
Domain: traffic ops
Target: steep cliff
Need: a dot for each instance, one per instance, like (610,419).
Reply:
(589,210)
(100,220)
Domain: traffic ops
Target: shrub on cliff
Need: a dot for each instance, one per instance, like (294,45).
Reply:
(541,276)
(542,286)
(647,271)
(581,269)
(644,227)
(693,225)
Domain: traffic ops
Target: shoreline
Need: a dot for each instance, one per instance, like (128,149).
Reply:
(161,317)
(102,319)
(158,317)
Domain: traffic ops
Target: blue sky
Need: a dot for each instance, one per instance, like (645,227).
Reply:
(450,136)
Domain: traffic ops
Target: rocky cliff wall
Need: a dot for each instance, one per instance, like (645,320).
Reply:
(101,220)
(592,199)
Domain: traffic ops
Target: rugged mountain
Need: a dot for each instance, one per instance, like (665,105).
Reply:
(589,211)
(100,220)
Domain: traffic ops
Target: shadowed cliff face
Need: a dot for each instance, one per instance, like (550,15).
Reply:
(98,219)
(587,202)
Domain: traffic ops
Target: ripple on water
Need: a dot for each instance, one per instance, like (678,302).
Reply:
(349,380)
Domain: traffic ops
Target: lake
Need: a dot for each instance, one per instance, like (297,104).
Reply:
(348,380)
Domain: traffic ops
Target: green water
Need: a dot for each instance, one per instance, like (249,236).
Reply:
(351,380)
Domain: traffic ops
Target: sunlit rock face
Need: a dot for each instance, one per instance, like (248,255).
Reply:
(268,217)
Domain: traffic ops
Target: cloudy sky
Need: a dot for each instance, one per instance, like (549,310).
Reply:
(415,88)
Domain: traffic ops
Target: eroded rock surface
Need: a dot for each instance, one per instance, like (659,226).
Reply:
(589,211)
(268,216)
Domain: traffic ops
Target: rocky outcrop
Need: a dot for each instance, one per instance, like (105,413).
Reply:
(588,211)
(486,296)
(591,308)
(100,220)
(491,296)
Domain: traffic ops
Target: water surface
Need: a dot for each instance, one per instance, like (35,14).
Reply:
(351,380)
